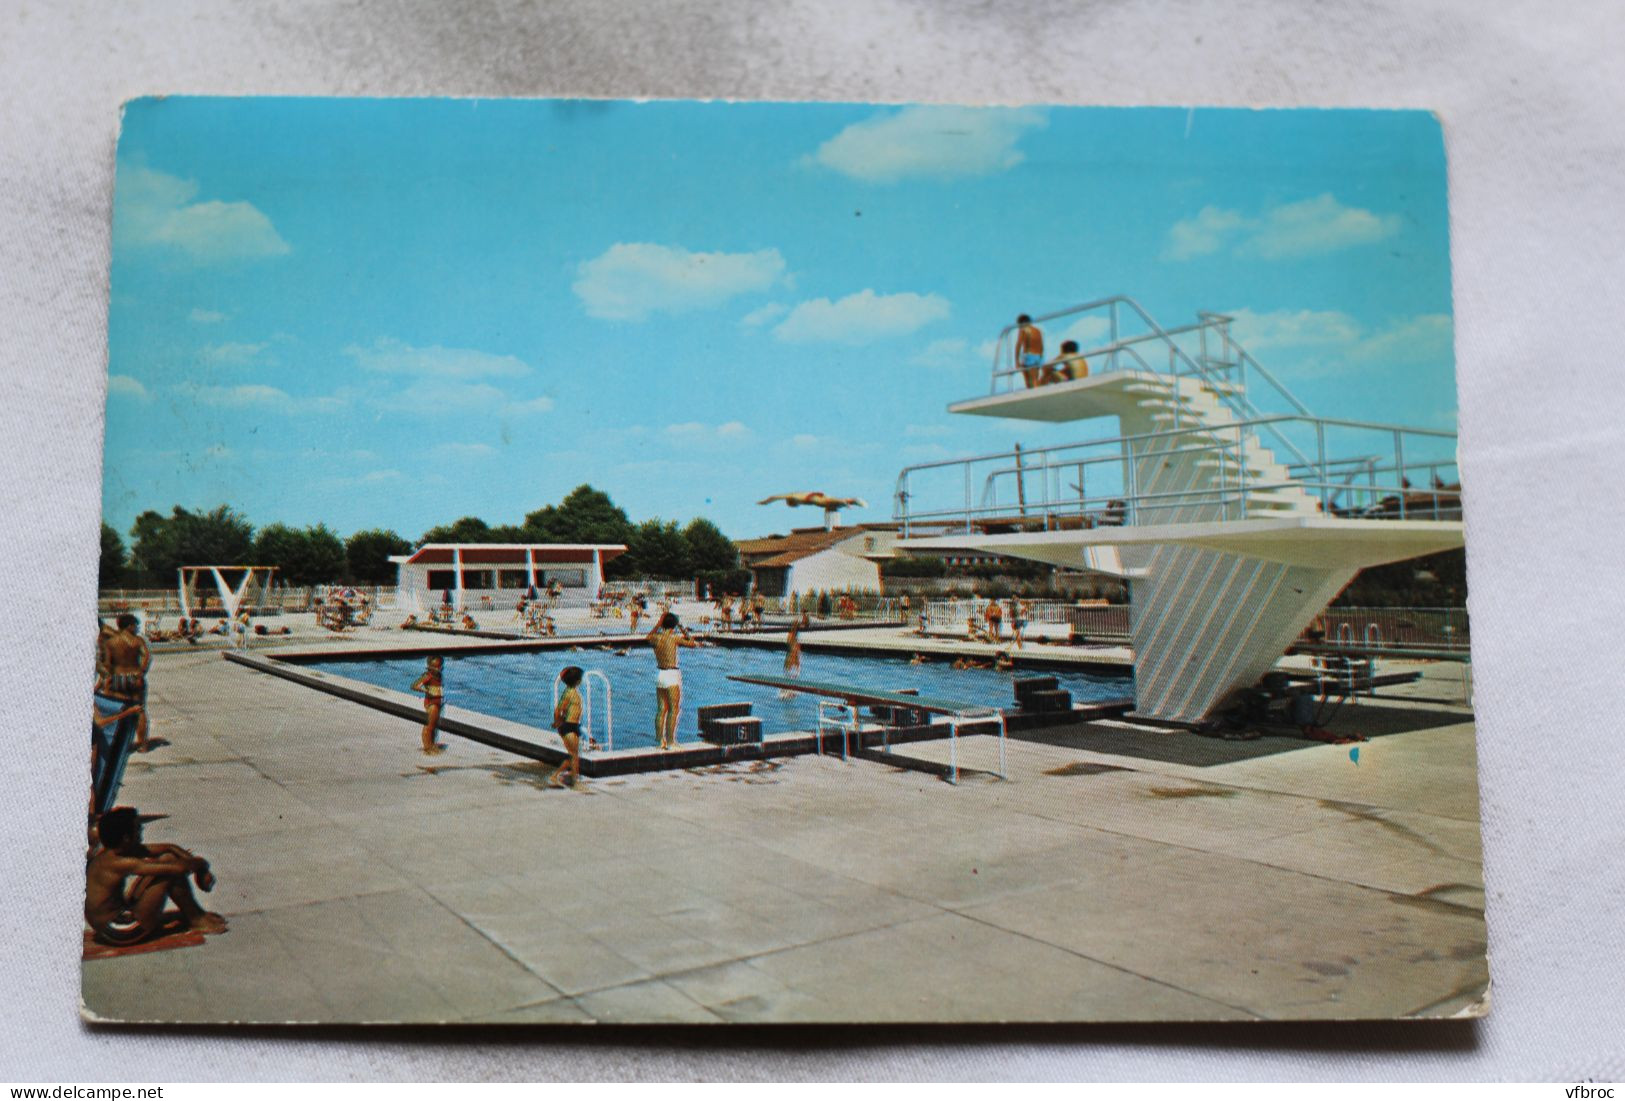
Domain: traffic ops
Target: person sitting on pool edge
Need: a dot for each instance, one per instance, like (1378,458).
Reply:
(128,885)
(567,721)
(666,639)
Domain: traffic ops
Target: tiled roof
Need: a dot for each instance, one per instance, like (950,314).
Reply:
(785,550)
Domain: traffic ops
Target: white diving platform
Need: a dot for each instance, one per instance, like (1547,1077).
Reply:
(1235,527)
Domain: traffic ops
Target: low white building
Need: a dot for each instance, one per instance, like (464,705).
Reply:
(496,575)
(810,559)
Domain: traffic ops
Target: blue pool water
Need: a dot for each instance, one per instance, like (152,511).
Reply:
(519,686)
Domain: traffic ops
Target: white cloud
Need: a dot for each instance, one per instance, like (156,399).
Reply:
(1091,330)
(763,314)
(542,404)
(392,357)
(376,476)
(698,434)
(1210,230)
(431,397)
(940,142)
(205,317)
(805,442)
(861,318)
(123,386)
(944,354)
(1317,225)
(230,354)
(1293,329)
(462,450)
(1307,227)
(152,209)
(632,280)
(1425,336)
(257,396)
(1330,342)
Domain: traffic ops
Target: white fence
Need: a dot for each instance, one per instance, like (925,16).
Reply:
(1044,618)
(283,598)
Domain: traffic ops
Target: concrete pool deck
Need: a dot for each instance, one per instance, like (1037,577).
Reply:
(1119,874)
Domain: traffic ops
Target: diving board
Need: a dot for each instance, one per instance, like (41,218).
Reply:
(957,713)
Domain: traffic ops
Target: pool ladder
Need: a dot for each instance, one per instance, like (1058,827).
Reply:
(586,706)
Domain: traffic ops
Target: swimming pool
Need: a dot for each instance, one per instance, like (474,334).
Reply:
(519,686)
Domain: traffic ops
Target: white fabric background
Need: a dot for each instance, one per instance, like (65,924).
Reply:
(1530,95)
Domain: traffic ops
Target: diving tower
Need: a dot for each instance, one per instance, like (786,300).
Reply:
(1234,513)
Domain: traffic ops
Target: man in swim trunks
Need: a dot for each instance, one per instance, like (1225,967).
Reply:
(666,640)
(128,884)
(1029,350)
(122,660)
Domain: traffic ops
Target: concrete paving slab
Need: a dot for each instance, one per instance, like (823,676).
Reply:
(293,866)
(367,882)
(557,1011)
(652,1002)
(1274,942)
(401,955)
(741,992)
(950,968)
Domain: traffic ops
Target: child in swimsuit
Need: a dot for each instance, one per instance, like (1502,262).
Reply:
(434,698)
(567,721)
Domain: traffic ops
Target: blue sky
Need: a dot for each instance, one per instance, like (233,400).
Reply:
(394,313)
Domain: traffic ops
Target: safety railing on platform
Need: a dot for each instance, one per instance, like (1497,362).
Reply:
(1359,469)
(1133,340)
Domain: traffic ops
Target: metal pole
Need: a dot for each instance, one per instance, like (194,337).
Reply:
(1021,484)
(1399,461)
(1320,465)
(1241,468)
(1003,772)
(967,499)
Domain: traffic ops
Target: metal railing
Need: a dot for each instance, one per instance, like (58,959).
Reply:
(587,678)
(1359,469)
(1368,630)
(1212,357)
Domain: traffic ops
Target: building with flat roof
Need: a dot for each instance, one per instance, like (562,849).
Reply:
(498,574)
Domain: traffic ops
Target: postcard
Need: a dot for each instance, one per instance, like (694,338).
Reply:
(594,562)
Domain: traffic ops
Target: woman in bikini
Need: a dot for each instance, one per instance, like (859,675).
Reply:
(434,697)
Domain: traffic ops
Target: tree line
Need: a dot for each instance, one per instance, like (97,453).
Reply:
(313,555)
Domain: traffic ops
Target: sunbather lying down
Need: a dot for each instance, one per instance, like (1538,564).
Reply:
(128,885)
